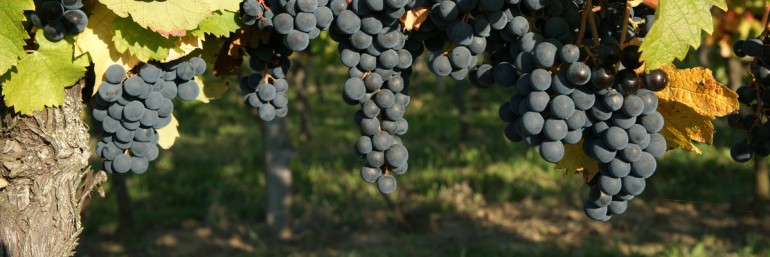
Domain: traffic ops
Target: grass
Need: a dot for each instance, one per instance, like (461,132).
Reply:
(212,179)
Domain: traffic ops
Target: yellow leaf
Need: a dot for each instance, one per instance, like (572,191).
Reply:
(168,17)
(96,41)
(184,46)
(211,90)
(168,134)
(412,19)
(576,160)
(697,89)
(690,101)
(682,125)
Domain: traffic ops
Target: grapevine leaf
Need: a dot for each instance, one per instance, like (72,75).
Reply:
(230,57)
(96,41)
(221,24)
(167,135)
(698,89)
(227,5)
(210,90)
(678,25)
(12,34)
(39,79)
(210,50)
(412,19)
(184,47)
(140,42)
(683,124)
(170,17)
(690,101)
(576,160)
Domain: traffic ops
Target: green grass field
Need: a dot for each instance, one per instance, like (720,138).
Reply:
(482,196)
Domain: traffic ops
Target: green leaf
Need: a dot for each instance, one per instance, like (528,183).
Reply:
(227,5)
(140,42)
(169,17)
(12,34)
(678,25)
(96,42)
(40,77)
(221,24)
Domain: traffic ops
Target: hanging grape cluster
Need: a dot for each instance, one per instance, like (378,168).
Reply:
(130,111)
(754,95)
(58,17)
(379,56)
(266,89)
(290,26)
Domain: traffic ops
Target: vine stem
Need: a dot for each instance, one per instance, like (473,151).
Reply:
(267,76)
(592,25)
(264,5)
(468,16)
(765,17)
(624,30)
(586,11)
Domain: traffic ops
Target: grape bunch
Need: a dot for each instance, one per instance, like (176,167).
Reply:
(57,17)
(297,21)
(256,12)
(625,141)
(131,110)
(300,21)
(372,44)
(567,92)
(754,95)
(266,89)
(466,28)
(551,81)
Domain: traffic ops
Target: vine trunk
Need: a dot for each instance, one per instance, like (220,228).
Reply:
(44,178)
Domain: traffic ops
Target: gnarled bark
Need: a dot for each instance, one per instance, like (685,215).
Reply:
(44,160)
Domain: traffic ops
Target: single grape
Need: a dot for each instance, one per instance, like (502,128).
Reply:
(644,167)
(532,123)
(617,206)
(630,57)
(370,174)
(656,80)
(562,107)
(555,129)
(386,184)
(598,198)
(609,185)
(591,210)
(396,155)
(121,163)
(633,185)
(741,152)
(578,73)
(552,151)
